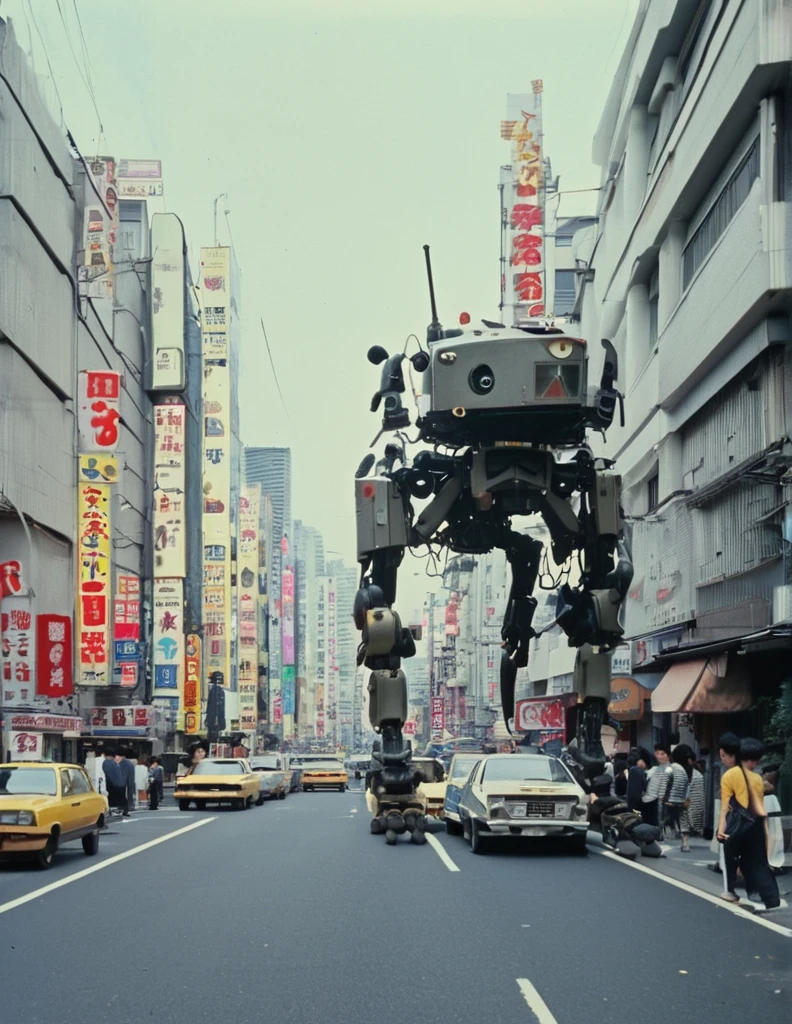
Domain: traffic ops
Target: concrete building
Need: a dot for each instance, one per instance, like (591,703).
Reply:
(309,567)
(689,273)
(346,584)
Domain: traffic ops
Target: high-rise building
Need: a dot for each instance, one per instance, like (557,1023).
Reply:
(346,583)
(309,567)
(271,469)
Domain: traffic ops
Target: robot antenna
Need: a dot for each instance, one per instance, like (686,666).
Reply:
(434,331)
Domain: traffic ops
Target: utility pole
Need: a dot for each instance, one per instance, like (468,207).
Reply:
(223,195)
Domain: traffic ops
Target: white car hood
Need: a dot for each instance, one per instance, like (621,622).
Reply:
(530,788)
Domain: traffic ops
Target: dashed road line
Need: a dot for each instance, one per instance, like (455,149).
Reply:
(536,1004)
(439,849)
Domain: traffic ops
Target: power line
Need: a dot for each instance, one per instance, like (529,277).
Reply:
(275,373)
(46,57)
(85,74)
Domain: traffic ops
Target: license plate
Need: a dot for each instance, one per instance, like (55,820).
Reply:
(518,810)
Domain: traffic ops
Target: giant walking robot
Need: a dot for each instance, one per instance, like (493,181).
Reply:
(504,413)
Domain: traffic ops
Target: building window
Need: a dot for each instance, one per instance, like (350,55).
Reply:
(654,309)
(563,241)
(564,298)
(721,213)
(653,492)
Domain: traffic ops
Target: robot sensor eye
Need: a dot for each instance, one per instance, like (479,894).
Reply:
(481,379)
(561,349)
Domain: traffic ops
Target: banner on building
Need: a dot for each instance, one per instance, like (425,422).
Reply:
(437,719)
(287,620)
(167,302)
(93,585)
(168,643)
(126,609)
(288,689)
(523,281)
(98,469)
(131,717)
(19,688)
(54,656)
(26,746)
(98,410)
(192,685)
(100,229)
(141,179)
(10,579)
(537,713)
(218,615)
(170,543)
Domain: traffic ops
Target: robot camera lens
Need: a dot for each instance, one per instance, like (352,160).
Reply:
(482,379)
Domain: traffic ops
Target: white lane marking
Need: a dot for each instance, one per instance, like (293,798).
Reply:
(716,901)
(536,1004)
(354,810)
(437,846)
(4,907)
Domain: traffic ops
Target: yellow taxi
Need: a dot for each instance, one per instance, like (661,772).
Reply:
(44,805)
(325,774)
(218,780)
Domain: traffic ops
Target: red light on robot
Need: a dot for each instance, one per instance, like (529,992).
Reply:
(369,490)
(464,318)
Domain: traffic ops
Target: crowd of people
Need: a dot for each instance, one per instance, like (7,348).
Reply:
(128,782)
(644,797)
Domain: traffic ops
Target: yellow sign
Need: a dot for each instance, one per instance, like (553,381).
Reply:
(192,685)
(98,469)
(93,585)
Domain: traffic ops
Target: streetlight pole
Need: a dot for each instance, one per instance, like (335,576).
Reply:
(223,195)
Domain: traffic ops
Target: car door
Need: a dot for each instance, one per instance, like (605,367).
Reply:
(72,811)
(464,800)
(93,803)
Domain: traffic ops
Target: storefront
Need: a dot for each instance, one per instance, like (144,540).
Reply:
(630,712)
(31,736)
(127,727)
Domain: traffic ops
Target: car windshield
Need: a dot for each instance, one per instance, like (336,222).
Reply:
(461,768)
(524,769)
(219,768)
(325,766)
(28,781)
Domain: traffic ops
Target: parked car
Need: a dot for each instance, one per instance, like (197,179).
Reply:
(458,773)
(44,805)
(274,782)
(528,795)
(432,788)
(219,780)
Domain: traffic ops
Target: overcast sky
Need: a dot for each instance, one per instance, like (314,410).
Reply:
(347,133)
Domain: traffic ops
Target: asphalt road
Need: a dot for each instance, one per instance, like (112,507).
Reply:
(292,912)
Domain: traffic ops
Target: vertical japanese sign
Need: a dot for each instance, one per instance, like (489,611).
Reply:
(126,609)
(247,594)
(331,708)
(93,584)
(19,688)
(192,685)
(54,656)
(437,711)
(98,412)
(523,279)
(216,459)
(100,229)
(170,546)
(167,302)
(287,606)
(168,641)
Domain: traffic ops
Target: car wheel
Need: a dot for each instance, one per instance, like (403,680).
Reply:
(248,803)
(90,843)
(307,789)
(45,856)
(281,795)
(476,840)
(390,837)
(453,828)
(260,800)
(200,805)
(466,830)
(184,805)
(238,805)
(577,844)
(342,789)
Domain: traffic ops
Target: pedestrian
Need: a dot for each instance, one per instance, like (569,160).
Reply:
(639,761)
(141,782)
(620,775)
(728,752)
(693,813)
(156,783)
(742,787)
(775,831)
(675,799)
(658,786)
(115,780)
(128,773)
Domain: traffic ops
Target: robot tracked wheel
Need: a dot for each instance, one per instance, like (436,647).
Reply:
(511,406)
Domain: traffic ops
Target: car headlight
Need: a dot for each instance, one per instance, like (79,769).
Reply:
(17,818)
(580,810)
(562,810)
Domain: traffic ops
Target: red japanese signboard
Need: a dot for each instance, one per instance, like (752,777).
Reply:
(10,579)
(54,656)
(126,608)
(437,717)
(538,713)
(99,413)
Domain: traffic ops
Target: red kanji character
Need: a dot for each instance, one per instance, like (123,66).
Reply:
(106,423)
(525,216)
(20,619)
(528,287)
(92,648)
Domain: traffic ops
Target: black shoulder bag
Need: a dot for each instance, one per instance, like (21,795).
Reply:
(739,819)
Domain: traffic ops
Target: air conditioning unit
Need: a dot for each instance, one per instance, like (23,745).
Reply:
(782,604)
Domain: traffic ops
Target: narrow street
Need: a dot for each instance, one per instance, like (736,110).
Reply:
(293,912)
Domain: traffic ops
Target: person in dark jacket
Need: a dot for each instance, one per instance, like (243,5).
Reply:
(622,828)
(156,783)
(620,769)
(639,761)
(115,780)
(128,772)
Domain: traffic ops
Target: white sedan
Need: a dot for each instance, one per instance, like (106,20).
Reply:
(523,795)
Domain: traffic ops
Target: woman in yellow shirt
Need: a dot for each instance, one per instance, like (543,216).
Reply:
(741,785)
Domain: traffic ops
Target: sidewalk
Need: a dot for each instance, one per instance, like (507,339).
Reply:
(691,868)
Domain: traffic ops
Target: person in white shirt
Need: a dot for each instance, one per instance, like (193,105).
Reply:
(141,783)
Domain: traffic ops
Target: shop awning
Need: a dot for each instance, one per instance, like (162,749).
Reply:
(627,699)
(715,685)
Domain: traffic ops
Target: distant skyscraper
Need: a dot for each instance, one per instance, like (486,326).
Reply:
(271,468)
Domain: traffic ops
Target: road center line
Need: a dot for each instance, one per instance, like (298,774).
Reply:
(12,904)
(437,846)
(536,1004)
(733,908)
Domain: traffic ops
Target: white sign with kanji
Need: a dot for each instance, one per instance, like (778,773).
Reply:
(25,746)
